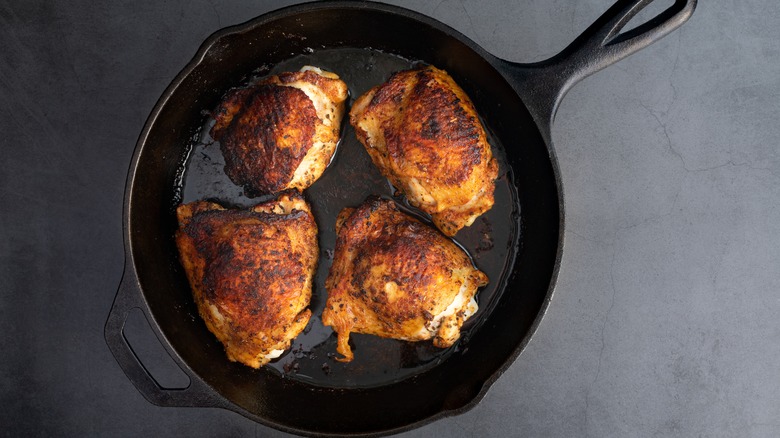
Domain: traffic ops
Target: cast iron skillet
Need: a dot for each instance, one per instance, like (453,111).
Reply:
(394,386)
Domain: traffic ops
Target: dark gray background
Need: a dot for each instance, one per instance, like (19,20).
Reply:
(665,320)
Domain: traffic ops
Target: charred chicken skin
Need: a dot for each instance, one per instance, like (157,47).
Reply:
(280,132)
(250,272)
(395,277)
(423,133)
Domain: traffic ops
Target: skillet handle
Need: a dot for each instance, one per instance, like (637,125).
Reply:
(542,85)
(128,297)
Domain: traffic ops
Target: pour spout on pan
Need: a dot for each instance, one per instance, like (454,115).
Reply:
(543,85)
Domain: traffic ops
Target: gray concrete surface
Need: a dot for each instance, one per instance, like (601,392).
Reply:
(665,319)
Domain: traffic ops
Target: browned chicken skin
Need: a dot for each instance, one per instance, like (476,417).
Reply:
(423,133)
(250,272)
(281,131)
(395,277)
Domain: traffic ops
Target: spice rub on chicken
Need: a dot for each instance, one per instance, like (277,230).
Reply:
(280,132)
(250,272)
(395,277)
(423,133)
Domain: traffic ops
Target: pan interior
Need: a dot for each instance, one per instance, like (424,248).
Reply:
(350,178)
(391,385)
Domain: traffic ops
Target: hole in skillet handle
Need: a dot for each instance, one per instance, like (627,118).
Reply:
(129,300)
(542,85)
(647,14)
(147,348)
(244,392)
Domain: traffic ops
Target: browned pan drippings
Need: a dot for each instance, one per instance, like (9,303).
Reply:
(350,179)
(391,386)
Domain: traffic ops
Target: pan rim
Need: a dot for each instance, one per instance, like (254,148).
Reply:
(260,21)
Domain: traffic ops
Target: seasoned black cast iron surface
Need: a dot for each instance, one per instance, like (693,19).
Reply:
(391,386)
(350,179)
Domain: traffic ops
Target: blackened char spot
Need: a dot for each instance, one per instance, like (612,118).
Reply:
(430,128)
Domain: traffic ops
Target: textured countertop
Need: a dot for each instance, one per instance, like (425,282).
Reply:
(665,318)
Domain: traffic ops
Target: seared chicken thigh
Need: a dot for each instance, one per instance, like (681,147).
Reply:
(395,277)
(250,272)
(282,131)
(423,133)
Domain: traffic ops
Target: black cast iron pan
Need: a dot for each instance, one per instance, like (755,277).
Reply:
(392,385)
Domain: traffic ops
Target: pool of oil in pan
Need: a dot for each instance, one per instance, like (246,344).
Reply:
(350,179)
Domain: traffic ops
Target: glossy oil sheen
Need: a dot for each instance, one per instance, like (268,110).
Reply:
(516,101)
(350,178)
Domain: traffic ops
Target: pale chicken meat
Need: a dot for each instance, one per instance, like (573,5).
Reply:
(395,277)
(280,132)
(250,272)
(423,133)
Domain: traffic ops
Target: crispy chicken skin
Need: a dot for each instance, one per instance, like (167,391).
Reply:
(281,131)
(422,132)
(395,277)
(250,272)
